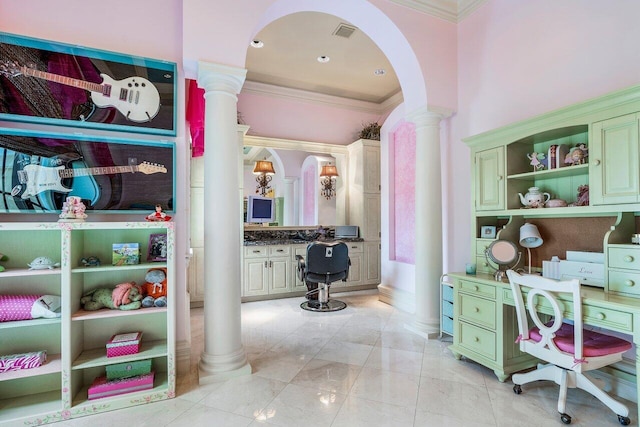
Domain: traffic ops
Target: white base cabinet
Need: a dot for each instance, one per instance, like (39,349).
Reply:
(76,342)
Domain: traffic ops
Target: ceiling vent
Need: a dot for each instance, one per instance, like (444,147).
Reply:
(344,30)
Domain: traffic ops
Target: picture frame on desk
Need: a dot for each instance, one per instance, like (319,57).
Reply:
(488,232)
(157,250)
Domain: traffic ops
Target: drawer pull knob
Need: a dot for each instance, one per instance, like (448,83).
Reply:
(475,288)
(499,177)
(279,250)
(596,162)
(486,264)
(476,309)
(256,252)
(629,283)
(476,339)
(628,258)
(600,316)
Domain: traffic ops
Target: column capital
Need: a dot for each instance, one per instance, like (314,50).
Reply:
(424,117)
(218,77)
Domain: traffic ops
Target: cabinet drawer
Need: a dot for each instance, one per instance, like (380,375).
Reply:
(478,310)
(483,265)
(255,251)
(478,340)
(355,247)
(479,289)
(608,319)
(482,245)
(447,293)
(624,258)
(624,282)
(447,308)
(280,250)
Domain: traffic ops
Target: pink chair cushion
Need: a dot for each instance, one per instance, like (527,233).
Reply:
(594,343)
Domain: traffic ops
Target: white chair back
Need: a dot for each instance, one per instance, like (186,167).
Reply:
(546,296)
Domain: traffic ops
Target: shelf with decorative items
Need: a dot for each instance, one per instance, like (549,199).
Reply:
(74,344)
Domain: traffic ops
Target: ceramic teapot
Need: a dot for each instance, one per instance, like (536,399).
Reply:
(534,198)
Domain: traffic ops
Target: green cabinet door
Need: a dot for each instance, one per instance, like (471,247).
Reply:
(614,161)
(489,179)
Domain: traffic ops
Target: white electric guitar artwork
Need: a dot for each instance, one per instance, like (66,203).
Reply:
(136,98)
(36,179)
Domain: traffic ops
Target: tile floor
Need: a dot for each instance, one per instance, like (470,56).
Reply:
(356,367)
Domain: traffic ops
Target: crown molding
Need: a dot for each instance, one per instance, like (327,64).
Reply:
(322,99)
(449,10)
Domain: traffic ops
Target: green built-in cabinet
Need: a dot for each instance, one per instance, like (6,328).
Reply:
(76,341)
(608,126)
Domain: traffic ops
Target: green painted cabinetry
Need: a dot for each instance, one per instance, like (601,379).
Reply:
(489,179)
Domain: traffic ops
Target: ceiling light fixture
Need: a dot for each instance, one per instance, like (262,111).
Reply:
(380,72)
(257,44)
(323,59)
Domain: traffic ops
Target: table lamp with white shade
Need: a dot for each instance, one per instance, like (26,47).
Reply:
(530,238)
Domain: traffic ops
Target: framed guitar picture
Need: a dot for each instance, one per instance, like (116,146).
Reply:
(38,171)
(55,83)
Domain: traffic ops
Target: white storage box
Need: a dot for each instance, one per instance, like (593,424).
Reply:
(589,273)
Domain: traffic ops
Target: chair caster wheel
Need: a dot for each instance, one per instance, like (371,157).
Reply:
(517,389)
(565,418)
(625,421)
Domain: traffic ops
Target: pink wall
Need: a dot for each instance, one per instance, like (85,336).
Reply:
(309,195)
(402,201)
(518,59)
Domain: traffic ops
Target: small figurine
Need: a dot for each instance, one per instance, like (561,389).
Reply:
(91,261)
(3,257)
(73,210)
(577,155)
(158,215)
(583,196)
(535,160)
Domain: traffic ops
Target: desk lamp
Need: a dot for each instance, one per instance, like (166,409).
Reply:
(530,238)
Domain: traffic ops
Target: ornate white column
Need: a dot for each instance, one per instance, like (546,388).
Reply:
(428,195)
(223,354)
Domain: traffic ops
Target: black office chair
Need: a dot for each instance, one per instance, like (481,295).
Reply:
(325,263)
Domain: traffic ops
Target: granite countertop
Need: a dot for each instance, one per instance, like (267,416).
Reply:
(268,242)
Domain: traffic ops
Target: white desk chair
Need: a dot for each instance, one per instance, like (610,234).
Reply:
(569,349)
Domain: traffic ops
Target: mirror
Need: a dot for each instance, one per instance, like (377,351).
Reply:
(503,253)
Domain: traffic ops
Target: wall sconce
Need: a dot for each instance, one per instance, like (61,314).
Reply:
(328,181)
(530,238)
(264,170)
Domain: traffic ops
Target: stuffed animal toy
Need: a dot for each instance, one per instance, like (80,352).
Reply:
(125,296)
(155,288)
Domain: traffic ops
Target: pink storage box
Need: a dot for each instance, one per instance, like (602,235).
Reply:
(123,344)
(15,362)
(101,387)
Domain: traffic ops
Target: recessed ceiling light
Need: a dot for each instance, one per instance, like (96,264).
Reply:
(257,44)
(380,72)
(323,58)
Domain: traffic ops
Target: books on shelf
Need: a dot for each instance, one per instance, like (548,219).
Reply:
(556,155)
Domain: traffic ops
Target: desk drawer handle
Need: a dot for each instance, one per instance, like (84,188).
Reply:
(279,250)
(629,283)
(354,247)
(476,339)
(628,258)
(256,252)
(601,316)
(475,288)
(476,309)
(486,264)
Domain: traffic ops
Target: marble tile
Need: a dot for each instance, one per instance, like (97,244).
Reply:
(401,340)
(299,406)
(327,375)
(345,352)
(387,387)
(390,359)
(202,415)
(356,412)
(276,366)
(449,397)
(299,346)
(463,371)
(358,335)
(246,396)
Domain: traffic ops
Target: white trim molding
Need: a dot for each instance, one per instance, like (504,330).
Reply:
(402,300)
(449,10)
